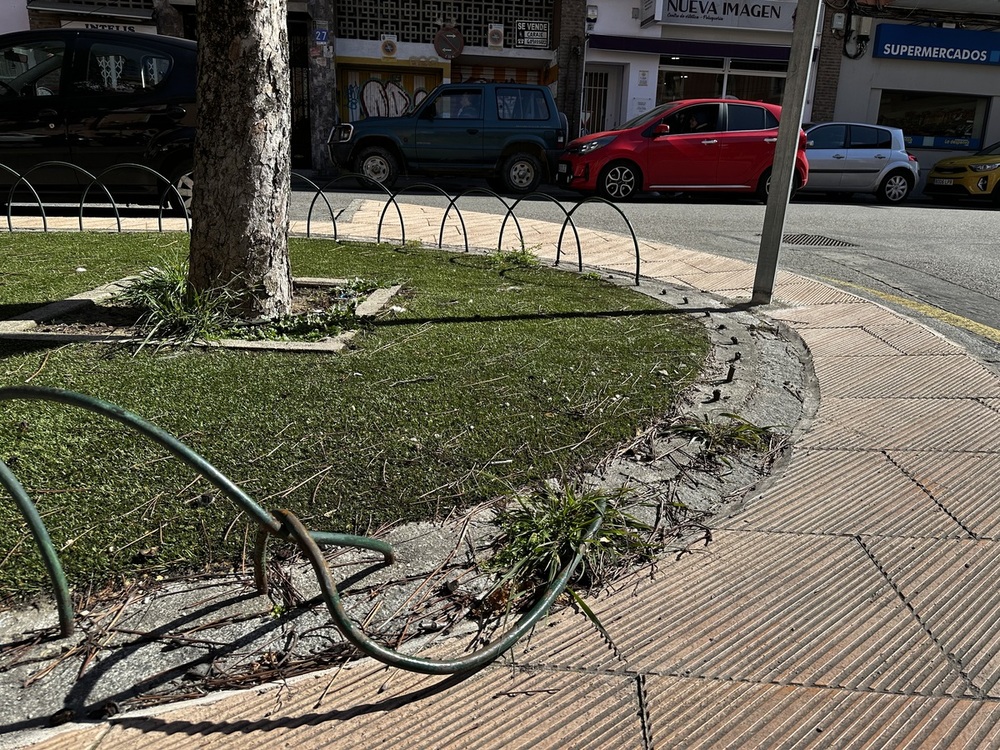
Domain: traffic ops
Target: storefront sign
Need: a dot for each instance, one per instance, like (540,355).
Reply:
(130,27)
(940,45)
(533,34)
(772,15)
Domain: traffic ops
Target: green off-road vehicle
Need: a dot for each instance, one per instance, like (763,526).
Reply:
(511,134)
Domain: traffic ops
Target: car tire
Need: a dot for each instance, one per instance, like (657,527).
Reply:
(619,182)
(521,173)
(378,165)
(764,186)
(895,188)
(181,178)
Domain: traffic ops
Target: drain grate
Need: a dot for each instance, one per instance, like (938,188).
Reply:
(814,240)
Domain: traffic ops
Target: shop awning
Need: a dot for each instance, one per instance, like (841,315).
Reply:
(95,9)
(687,47)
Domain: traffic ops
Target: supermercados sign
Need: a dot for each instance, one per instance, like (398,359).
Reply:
(773,15)
(939,45)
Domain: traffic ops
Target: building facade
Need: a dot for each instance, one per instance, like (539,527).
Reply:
(927,66)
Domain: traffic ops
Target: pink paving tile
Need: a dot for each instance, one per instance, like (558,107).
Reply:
(839,315)
(967,485)
(831,342)
(952,587)
(905,424)
(698,714)
(374,708)
(847,492)
(758,607)
(912,376)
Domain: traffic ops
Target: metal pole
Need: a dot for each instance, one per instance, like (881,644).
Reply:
(793,102)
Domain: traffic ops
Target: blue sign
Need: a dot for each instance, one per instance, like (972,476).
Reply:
(321,36)
(939,45)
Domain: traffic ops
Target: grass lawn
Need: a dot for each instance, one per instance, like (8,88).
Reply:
(487,376)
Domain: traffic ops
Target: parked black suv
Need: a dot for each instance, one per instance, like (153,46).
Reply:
(509,133)
(96,99)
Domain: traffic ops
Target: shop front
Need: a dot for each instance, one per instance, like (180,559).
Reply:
(684,49)
(938,84)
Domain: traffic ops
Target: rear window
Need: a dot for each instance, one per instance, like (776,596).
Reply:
(748,117)
(123,69)
(522,104)
(865,137)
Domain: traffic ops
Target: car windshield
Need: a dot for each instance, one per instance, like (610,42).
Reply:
(992,150)
(649,116)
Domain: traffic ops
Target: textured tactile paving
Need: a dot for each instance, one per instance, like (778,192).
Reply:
(914,376)
(848,493)
(952,587)
(711,714)
(905,424)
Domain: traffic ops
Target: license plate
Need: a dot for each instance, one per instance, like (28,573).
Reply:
(563,168)
(942,181)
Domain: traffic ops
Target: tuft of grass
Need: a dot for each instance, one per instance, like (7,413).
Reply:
(523,257)
(173,312)
(542,529)
(730,434)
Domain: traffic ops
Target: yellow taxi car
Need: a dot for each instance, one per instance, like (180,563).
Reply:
(974,176)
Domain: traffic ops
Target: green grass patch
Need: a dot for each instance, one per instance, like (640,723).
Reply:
(484,378)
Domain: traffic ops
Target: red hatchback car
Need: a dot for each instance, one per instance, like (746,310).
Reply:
(682,146)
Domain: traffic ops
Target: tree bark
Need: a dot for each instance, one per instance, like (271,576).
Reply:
(242,172)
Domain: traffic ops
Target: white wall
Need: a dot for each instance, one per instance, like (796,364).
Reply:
(13,15)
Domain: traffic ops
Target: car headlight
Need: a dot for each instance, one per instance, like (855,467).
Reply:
(341,133)
(985,167)
(595,144)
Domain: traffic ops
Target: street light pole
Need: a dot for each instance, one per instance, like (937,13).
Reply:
(783,169)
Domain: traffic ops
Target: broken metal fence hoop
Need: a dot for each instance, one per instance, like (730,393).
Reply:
(421,664)
(265,522)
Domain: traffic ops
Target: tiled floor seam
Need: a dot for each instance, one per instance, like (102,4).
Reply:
(970,685)
(927,491)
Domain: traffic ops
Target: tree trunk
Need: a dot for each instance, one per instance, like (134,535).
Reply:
(242,178)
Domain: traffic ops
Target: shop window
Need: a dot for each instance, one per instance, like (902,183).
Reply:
(673,85)
(930,120)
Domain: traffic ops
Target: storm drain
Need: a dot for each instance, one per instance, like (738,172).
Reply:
(814,240)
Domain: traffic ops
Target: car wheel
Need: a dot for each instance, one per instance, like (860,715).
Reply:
(378,164)
(181,178)
(522,173)
(764,186)
(619,182)
(894,188)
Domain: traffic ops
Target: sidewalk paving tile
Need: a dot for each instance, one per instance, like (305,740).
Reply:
(712,714)
(911,376)
(963,483)
(952,587)
(905,424)
(847,493)
(374,707)
(757,607)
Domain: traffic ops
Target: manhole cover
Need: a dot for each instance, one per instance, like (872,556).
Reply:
(814,240)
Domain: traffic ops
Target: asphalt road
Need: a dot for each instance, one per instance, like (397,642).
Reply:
(940,264)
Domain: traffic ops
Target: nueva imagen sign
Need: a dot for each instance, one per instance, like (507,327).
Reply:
(773,15)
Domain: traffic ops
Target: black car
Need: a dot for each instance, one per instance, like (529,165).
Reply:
(96,99)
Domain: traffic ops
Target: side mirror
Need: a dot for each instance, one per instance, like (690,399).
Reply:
(661,129)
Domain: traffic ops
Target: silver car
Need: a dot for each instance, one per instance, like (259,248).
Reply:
(856,157)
